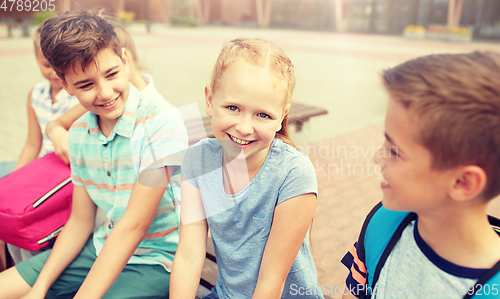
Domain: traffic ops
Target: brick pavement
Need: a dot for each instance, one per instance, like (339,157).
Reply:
(348,189)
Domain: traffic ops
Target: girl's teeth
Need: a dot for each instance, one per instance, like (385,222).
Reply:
(385,182)
(239,141)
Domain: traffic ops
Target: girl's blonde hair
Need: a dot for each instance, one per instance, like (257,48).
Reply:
(261,53)
(126,41)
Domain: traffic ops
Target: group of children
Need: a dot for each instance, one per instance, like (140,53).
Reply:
(249,185)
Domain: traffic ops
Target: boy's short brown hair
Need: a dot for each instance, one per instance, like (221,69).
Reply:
(456,98)
(74,38)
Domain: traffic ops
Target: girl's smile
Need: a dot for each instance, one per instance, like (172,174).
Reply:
(239,141)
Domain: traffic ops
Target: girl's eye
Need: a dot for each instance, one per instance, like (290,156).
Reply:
(112,75)
(263,115)
(232,108)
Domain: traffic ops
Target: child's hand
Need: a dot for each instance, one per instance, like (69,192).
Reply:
(59,137)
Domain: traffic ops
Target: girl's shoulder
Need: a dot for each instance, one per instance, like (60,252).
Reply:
(201,158)
(204,145)
(286,153)
(288,160)
(203,148)
(41,89)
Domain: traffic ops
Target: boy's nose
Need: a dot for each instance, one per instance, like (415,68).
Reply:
(245,126)
(105,92)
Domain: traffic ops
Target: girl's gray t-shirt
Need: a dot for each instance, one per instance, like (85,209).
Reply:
(240,224)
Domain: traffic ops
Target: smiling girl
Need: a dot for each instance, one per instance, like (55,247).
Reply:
(249,186)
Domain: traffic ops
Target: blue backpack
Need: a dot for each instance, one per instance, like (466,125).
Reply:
(382,230)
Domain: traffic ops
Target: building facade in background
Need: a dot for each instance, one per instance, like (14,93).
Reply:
(482,17)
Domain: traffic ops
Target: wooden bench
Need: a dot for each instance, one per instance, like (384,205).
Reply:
(298,115)
(210,271)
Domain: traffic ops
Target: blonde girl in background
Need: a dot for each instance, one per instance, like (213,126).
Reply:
(249,186)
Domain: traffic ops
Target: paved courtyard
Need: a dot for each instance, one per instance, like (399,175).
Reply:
(339,72)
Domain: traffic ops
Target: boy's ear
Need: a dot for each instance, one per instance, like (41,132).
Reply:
(469,184)
(208,101)
(65,86)
(125,59)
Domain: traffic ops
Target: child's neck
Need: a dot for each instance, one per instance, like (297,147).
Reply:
(54,90)
(138,81)
(462,236)
(237,173)
(106,127)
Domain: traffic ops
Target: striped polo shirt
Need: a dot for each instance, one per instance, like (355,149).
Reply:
(46,111)
(149,134)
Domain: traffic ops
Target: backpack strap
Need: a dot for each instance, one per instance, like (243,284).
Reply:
(380,232)
(488,285)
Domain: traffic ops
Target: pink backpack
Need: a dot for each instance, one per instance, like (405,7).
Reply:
(35,203)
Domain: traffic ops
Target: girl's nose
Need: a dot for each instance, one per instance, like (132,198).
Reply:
(245,126)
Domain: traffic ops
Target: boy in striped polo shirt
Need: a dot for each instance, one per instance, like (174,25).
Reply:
(123,160)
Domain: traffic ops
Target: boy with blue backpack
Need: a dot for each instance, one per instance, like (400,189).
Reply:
(431,237)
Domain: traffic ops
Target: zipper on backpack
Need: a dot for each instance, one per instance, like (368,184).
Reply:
(50,236)
(51,192)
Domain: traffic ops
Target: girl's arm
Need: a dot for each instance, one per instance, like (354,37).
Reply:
(190,255)
(125,236)
(57,131)
(292,219)
(69,243)
(33,143)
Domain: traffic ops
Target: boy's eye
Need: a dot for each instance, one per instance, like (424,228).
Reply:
(112,74)
(394,151)
(232,108)
(263,115)
(86,86)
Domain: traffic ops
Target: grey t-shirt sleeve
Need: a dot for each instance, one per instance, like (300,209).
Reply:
(192,163)
(301,179)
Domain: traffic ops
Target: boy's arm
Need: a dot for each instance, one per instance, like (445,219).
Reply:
(292,219)
(69,243)
(190,255)
(125,236)
(33,143)
(57,131)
